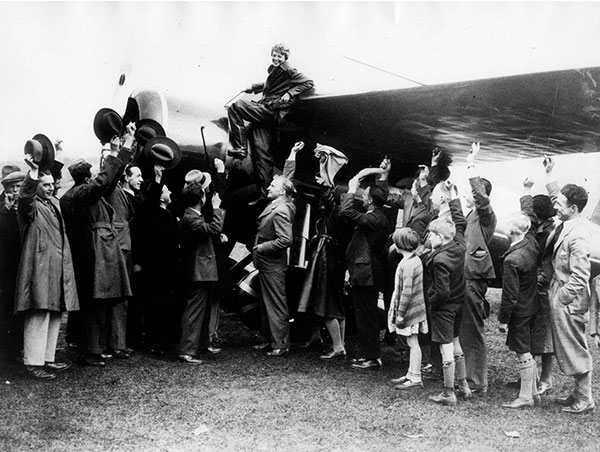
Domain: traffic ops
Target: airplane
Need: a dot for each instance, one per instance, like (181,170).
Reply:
(517,119)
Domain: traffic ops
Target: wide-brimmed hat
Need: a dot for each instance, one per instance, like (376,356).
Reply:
(204,179)
(107,124)
(146,129)
(42,150)
(164,151)
(11,178)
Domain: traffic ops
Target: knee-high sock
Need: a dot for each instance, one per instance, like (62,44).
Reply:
(448,368)
(526,371)
(461,370)
(534,380)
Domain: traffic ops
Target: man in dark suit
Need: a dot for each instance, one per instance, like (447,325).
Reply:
(364,257)
(11,326)
(481,224)
(200,269)
(273,239)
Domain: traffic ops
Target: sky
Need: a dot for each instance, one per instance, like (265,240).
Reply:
(61,60)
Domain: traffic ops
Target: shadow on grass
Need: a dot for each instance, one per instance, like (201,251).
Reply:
(250,402)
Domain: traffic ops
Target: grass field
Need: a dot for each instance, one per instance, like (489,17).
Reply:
(249,402)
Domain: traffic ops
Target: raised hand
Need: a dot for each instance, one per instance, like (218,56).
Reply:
(219,165)
(527,183)
(548,163)
(473,153)
(158,172)
(216,201)
(298,146)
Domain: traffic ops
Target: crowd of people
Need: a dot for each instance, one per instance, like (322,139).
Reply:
(115,252)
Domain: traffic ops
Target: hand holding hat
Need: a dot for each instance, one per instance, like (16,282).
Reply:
(41,150)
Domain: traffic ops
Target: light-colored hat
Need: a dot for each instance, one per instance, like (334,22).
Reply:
(198,176)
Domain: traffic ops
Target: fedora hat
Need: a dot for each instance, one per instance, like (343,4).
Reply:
(146,129)
(201,177)
(42,150)
(164,151)
(107,124)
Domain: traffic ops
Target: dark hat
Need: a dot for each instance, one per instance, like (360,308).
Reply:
(11,178)
(7,169)
(56,169)
(42,150)
(107,124)
(204,179)
(164,151)
(146,129)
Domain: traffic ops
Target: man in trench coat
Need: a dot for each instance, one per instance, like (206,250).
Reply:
(45,280)
(102,274)
(569,292)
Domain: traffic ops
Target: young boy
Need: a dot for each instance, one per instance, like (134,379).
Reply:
(519,301)
(447,291)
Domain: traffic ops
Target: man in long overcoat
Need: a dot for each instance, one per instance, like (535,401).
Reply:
(45,281)
(102,276)
(569,292)
(11,326)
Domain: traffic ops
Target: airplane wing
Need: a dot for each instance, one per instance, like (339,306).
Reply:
(517,116)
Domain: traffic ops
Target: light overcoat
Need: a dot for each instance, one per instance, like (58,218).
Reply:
(45,279)
(569,293)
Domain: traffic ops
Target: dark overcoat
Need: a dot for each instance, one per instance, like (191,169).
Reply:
(93,235)
(364,255)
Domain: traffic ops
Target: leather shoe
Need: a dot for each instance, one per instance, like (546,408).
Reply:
(58,367)
(580,407)
(408,384)
(121,354)
(544,388)
(238,153)
(260,346)
(368,364)
(93,360)
(189,359)
(278,352)
(213,350)
(566,401)
(519,403)
(40,373)
(444,398)
(332,355)
(399,380)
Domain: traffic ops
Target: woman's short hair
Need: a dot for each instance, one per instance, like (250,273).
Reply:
(281,48)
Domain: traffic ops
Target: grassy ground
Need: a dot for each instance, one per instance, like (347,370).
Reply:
(250,402)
